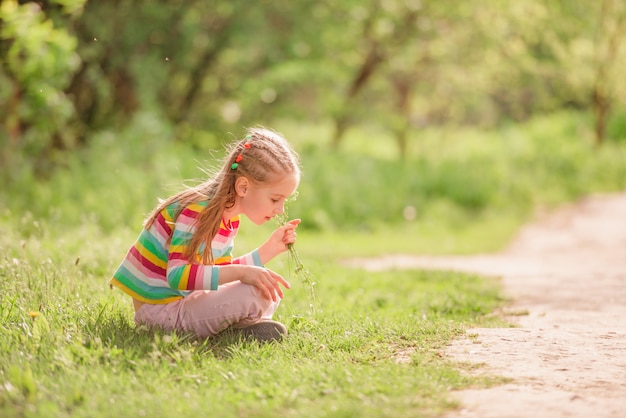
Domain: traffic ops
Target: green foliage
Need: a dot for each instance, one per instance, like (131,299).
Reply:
(458,178)
(476,173)
(39,59)
(71,69)
(616,128)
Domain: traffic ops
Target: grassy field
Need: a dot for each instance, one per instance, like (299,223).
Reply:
(368,344)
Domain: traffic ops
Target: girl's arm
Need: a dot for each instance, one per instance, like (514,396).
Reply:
(265,280)
(277,243)
(186,276)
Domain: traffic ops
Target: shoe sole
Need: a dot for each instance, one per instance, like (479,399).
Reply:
(263,331)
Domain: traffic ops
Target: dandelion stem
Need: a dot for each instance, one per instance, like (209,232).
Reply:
(299,270)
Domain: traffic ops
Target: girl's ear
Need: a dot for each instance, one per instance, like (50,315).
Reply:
(241,186)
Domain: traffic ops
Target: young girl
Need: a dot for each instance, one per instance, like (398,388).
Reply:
(180,271)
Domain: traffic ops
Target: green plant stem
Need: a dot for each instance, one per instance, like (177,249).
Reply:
(305,276)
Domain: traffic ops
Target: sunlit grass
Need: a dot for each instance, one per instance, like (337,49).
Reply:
(372,348)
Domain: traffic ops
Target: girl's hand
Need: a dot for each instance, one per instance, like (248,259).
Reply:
(279,241)
(266,281)
(286,233)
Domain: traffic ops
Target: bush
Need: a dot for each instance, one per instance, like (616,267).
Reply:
(117,181)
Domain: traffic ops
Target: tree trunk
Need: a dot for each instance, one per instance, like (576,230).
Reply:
(601,108)
(366,70)
(201,69)
(605,59)
(402,87)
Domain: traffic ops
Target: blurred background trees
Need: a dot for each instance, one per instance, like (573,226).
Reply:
(71,68)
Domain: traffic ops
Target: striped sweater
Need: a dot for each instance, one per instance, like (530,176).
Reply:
(155,270)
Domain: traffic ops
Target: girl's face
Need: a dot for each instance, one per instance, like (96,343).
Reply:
(261,202)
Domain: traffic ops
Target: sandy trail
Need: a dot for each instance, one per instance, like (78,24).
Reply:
(567,357)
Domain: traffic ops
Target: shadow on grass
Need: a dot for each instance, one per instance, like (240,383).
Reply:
(117,330)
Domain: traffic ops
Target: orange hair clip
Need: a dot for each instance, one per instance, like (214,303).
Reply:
(240,156)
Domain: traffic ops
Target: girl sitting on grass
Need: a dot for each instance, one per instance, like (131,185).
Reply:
(180,271)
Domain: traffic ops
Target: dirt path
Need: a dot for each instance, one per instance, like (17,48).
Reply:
(567,357)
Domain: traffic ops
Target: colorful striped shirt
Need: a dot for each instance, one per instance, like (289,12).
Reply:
(155,269)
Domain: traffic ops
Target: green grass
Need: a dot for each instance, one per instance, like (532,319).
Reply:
(68,346)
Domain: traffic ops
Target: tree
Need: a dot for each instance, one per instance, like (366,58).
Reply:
(561,54)
(609,63)
(38,60)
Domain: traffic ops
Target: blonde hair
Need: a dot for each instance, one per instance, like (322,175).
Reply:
(266,159)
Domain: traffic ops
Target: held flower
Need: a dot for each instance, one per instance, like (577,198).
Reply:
(299,270)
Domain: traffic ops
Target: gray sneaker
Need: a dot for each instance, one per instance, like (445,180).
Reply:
(264,331)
